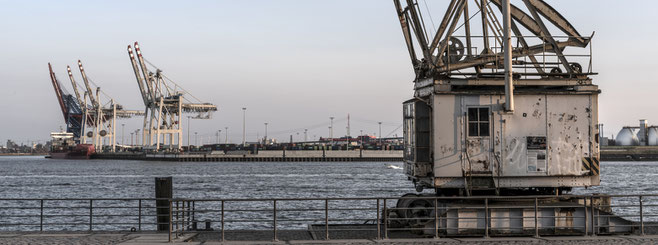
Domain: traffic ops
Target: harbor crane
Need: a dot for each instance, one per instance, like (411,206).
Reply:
(94,116)
(165,102)
(71,109)
(503,101)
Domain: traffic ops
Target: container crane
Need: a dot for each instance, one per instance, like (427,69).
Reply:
(100,118)
(69,106)
(165,102)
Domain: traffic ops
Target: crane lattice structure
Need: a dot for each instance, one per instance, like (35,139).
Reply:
(165,103)
(452,49)
(71,109)
(97,117)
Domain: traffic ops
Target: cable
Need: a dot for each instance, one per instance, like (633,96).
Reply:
(177,85)
(396,129)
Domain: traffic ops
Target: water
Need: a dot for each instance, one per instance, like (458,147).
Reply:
(37,177)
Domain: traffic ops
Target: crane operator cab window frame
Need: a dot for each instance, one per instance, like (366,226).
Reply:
(478,121)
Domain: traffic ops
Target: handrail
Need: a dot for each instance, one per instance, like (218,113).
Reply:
(326,216)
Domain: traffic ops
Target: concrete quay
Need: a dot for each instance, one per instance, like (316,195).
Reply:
(266,156)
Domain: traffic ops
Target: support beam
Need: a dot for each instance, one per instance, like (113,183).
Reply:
(547,36)
(444,44)
(419,30)
(507,49)
(402,16)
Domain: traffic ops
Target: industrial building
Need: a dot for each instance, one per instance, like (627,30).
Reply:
(642,135)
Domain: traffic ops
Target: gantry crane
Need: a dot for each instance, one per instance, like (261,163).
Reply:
(71,109)
(100,118)
(165,102)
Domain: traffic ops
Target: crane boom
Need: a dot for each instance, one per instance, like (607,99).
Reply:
(140,81)
(75,86)
(149,79)
(84,78)
(58,92)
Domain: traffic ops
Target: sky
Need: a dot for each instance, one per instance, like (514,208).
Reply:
(292,64)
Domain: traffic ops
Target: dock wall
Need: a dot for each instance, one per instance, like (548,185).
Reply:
(266,156)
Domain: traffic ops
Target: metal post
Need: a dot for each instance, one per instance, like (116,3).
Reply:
(486,217)
(170,225)
(223,221)
(507,50)
(379,223)
(91,214)
(585,214)
(641,218)
(536,218)
(326,219)
(41,217)
(139,216)
(591,203)
(274,221)
(177,212)
(385,220)
(436,219)
(244,118)
(188,133)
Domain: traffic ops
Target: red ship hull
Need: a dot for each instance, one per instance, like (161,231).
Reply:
(81,151)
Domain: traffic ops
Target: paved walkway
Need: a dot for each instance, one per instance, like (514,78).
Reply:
(162,238)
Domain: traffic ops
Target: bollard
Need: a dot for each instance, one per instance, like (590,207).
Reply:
(163,190)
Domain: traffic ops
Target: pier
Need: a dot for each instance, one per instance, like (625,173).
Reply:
(264,156)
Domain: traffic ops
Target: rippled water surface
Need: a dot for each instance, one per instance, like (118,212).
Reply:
(37,177)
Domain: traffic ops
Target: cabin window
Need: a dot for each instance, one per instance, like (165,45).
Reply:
(478,121)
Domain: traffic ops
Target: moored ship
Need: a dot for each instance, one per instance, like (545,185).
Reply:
(64,147)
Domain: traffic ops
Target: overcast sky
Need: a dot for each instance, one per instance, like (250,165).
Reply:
(292,64)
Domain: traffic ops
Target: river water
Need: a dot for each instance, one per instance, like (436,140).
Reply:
(37,177)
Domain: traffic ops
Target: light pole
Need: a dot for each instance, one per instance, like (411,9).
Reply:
(331,128)
(196,139)
(137,136)
(265,141)
(219,133)
(380,133)
(244,132)
(188,130)
(360,138)
(131,138)
(226,132)
(122,131)
(305,134)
